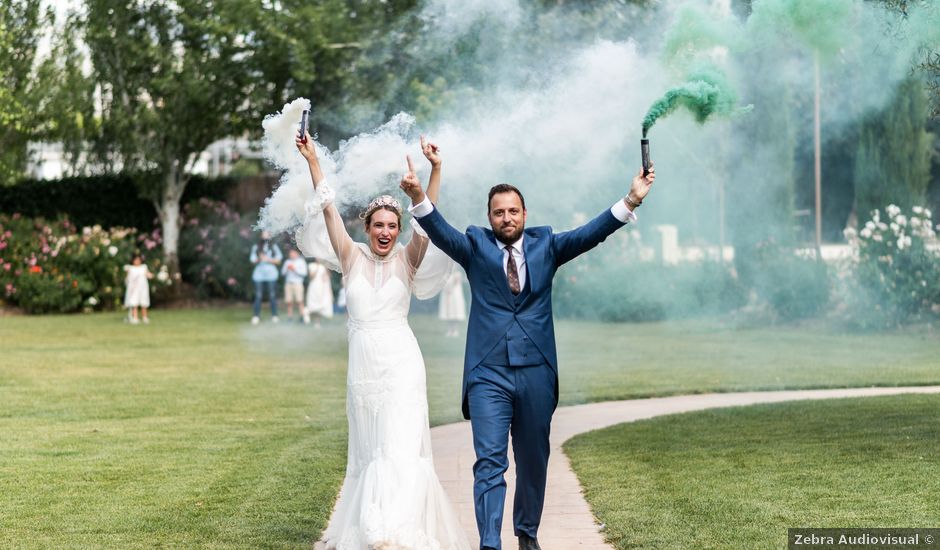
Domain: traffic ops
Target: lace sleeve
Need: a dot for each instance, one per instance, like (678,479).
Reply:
(431,267)
(323,234)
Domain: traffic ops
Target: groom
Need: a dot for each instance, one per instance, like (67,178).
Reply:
(510,378)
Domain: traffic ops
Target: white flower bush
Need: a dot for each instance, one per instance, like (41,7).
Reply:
(897,265)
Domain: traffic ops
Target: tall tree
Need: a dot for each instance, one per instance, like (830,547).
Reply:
(347,56)
(21,23)
(893,160)
(67,104)
(174,76)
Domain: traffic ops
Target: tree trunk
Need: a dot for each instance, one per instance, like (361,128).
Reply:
(168,209)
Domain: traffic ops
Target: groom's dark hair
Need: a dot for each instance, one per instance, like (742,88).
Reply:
(503,188)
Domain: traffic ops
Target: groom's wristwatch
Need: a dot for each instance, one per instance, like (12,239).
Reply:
(630,204)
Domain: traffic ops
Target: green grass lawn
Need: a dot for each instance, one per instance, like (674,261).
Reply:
(601,362)
(200,430)
(739,477)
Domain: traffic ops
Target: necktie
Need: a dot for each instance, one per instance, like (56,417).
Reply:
(512,273)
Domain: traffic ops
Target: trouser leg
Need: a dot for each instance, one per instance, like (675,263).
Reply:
(532,416)
(272,295)
(490,395)
(257,305)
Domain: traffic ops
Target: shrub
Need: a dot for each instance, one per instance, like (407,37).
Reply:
(50,267)
(612,284)
(108,200)
(214,246)
(39,292)
(794,286)
(896,268)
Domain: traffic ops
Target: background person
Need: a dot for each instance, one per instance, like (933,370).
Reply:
(266,256)
(452,308)
(294,272)
(137,290)
(319,294)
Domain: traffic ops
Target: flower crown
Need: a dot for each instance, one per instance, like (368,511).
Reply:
(380,202)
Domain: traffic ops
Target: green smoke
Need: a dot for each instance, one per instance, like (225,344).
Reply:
(695,32)
(824,26)
(705,93)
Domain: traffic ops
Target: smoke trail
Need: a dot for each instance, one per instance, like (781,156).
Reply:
(362,167)
(574,125)
(555,111)
(696,34)
(824,26)
(707,92)
(448,21)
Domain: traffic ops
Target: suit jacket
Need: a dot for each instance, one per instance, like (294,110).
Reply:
(494,309)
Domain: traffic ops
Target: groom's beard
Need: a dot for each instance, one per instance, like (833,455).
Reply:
(509,238)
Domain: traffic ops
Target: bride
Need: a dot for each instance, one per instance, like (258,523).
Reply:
(391,498)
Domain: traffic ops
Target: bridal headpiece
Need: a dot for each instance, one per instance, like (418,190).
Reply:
(381,202)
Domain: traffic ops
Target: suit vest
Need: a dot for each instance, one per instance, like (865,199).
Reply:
(515,348)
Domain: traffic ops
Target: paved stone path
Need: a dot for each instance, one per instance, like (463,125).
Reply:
(567,521)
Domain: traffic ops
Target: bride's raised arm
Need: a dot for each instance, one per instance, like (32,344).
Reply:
(418,246)
(340,240)
(435,266)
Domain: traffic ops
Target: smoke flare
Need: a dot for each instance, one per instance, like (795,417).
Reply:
(705,93)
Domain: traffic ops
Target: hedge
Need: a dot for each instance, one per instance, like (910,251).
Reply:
(110,200)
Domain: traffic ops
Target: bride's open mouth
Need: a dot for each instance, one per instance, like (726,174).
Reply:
(383,242)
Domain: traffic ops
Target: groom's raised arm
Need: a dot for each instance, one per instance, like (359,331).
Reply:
(444,236)
(454,243)
(569,245)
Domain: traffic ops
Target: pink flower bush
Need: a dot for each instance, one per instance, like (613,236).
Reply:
(57,267)
(214,251)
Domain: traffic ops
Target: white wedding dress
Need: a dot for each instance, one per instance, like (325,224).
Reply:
(391,498)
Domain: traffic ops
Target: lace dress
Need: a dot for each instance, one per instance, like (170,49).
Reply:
(391,498)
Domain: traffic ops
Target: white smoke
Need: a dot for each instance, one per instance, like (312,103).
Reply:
(364,166)
(570,137)
(567,140)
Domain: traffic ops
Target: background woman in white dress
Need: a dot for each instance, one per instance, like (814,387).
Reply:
(319,293)
(137,291)
(391,497)
(452,308)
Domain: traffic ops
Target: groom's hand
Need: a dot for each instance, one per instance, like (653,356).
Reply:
(410,184)
(431,152)
(641,186)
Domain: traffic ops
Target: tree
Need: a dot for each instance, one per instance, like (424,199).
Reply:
(68,105)
(174,76)
(892,165)
(347,56)
(20,28)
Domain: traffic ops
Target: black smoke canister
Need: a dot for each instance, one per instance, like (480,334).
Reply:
(645,152)
(303,126)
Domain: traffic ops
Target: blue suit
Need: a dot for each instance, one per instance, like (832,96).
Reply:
(510,378)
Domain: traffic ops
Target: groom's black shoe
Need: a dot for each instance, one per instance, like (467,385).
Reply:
(528,543)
